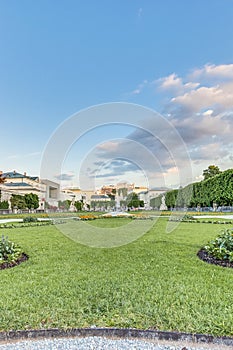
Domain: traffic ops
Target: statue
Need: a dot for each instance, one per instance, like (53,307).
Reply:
(72,206)
(163,205)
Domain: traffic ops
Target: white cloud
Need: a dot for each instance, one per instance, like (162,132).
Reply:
(191,85)
(220,96)
(200,108)
(208,112)
(211,71)
(170,81)
(204,115)
(109,146)
(136,92)
(175,84)
(140,88)
(27,155)
(65,176)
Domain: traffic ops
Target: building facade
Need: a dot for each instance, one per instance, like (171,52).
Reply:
(21,184)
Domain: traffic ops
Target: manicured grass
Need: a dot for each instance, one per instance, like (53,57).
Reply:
(155,282)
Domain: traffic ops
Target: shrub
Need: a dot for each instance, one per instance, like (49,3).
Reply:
(221,247)
(29,219)
(9,251)
(185,218)
(188,217)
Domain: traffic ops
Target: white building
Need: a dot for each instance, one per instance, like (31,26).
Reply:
(21,184)
(52,192)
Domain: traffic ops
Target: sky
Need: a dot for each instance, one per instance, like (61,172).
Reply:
(58,59)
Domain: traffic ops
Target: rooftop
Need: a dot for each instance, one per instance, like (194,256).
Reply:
(15,175)
(17,184)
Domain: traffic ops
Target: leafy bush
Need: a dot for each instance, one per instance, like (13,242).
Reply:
(4,205)
(180,218)
(9,251)
(30,219)
(188,217)
(221,247)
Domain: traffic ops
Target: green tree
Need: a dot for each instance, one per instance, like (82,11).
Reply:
(184,196)
(134,201)
(103,204)
(31,200)
(4,205)
(65,205)
(18,201)
(211,171)
(170,198)
(216,189)
(78,205)
(156,202)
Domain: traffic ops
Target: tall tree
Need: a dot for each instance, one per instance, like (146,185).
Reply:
(17,201)
(134,201)
(170,198)
(156,202)
(211,171)
(65,205)
(78,205)
(31,200)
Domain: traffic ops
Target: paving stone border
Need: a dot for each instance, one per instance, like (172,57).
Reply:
(116,333)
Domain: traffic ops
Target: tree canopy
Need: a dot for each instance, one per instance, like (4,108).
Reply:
(30,201)
(211,171)
(156,202)
(216,189)
(65,205)
(133,201)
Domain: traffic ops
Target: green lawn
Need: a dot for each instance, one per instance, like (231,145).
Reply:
(155,282)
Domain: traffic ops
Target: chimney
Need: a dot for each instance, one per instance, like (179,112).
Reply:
(14,172)
(1,172)
(25,174)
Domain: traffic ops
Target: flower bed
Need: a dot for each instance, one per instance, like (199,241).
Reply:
(10,254)
(88,217)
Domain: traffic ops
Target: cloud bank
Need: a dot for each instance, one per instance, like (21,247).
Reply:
(200,107)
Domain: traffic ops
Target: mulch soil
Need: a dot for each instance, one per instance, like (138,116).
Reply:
(203,255)
(7,265)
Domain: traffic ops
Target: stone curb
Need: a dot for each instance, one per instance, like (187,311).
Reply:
(114,332)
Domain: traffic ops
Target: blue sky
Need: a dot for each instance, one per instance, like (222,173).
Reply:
(60,57)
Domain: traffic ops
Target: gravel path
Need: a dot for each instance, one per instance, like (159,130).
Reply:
(103,343)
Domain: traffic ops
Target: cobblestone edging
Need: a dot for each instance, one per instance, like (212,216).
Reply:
(116,333)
